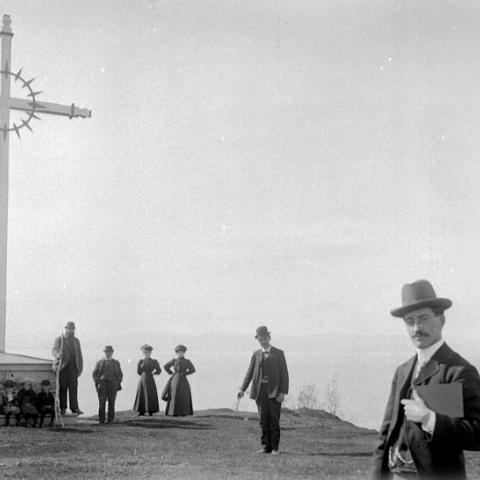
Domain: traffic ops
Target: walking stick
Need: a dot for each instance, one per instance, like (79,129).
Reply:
(58,414)
(239,397)
(236,408)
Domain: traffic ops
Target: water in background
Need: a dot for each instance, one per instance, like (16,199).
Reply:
(362,365)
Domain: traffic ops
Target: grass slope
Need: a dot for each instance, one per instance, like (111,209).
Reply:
(213,444)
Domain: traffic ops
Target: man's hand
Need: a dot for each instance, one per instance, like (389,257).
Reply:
(280,397)
(416,410)
(240,394)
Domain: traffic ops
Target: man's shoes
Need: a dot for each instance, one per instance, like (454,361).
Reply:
(275,452)
(263,450)
(63,411)
(77,411)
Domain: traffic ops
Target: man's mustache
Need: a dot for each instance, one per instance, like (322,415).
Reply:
(420,335)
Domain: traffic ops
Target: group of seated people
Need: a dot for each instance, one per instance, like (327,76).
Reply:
(25,404)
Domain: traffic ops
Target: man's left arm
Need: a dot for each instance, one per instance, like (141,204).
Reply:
(284,380)
(462,432)
(80,358)
(120,373)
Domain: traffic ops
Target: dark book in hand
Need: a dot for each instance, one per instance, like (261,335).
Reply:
(443,398)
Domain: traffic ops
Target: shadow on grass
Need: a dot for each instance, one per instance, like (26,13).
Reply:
(239,418)
(69,429)
(164,423)
(330,454)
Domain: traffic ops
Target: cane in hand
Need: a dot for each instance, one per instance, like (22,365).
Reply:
(238,404)
(239,397)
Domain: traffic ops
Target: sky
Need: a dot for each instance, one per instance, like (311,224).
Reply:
(288,163)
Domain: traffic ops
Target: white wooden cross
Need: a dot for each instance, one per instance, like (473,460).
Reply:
(31,106)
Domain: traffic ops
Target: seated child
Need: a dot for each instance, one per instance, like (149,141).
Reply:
(28,399)
(45,403)
(11,403)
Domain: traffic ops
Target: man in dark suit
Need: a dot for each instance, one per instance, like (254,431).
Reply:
(269,376)
(107,376)
(69,361)
(416,442)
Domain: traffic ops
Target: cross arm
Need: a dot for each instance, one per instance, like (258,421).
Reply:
(70,111)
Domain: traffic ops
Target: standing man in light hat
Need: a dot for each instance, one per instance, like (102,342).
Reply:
(269,376)
(415,441)
(68,358)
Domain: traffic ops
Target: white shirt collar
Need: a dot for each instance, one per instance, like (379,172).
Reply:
(425,354)
(267,350)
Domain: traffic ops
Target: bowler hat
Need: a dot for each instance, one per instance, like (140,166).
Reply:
(262,332)
(70,325)
(180,348)
(146,348)
(45,383)
(108,348)
(420,294)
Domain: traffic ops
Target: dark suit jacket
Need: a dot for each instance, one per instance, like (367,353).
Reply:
(97,373)
(57,351)
(439,455)
(277,374)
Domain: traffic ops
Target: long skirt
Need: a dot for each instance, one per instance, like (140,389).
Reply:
(179,403)
(146,400)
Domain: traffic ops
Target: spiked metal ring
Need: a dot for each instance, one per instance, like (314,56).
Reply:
(34,104)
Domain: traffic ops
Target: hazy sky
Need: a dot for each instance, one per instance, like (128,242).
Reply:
(283,162)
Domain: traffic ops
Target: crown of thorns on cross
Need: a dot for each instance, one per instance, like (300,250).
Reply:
(34,103)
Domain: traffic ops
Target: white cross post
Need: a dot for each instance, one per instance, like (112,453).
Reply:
(32,106)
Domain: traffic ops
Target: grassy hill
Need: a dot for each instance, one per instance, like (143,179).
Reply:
(213,444)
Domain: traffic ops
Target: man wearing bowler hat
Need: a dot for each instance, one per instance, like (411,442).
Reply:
(269,376)
(68,362)
(107,376)
(415,441)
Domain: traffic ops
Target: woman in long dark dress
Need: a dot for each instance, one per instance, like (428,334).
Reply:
(146,400)
(179,396)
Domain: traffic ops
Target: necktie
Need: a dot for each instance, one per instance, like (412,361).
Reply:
(421,362)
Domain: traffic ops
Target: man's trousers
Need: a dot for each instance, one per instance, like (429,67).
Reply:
(68,381)
(269,410)
(107,392)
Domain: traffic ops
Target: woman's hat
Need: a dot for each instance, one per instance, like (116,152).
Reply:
(45,383)
(9,384)
(180,348)
(108,348)
(146,348)
(420,294)
(262,332)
